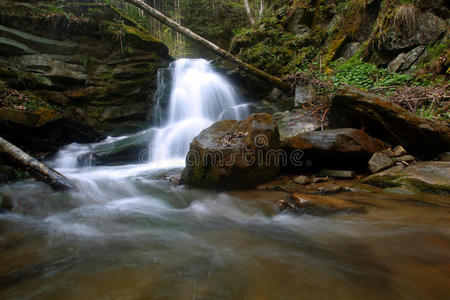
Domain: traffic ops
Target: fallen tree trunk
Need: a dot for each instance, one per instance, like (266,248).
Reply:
(211,46)
(39,170)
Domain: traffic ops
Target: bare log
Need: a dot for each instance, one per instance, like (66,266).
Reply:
(39,170)
(209,45)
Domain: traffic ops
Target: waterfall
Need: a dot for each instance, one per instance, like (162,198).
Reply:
(199,97)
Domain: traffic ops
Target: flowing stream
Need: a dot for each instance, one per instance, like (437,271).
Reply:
(128,233)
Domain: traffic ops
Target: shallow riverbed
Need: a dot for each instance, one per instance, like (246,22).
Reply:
(129,234)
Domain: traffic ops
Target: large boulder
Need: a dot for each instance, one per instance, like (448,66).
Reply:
(343,147)
(232,154)
(431,176)
(425,29)
(387,121)
(95,76)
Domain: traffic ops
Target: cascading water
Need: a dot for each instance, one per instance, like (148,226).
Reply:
(199,97)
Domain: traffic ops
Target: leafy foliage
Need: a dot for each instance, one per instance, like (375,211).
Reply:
(365,75)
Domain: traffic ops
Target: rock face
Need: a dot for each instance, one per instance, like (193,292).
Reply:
(387,121)
(232,154)
(430,176)
(337,147)
(97,75)
(426,29)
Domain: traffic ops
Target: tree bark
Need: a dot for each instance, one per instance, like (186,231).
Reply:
(39,170)
(249,12)
(211,46)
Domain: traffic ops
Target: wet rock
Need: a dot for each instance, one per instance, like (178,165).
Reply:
(432,176)
(284,205)
(379,162)
(324,205)
(132,149)
(302,180)
(232,154)
(403,190)
(295,122)
(405,158)
(320,179)
(399,151)
(387,121)
(330,189)
(337,147)
(444,156)
(337,173)
(174,179)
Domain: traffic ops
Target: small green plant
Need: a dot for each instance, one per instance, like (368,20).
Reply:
(84,60)
(365,75)
(426,112)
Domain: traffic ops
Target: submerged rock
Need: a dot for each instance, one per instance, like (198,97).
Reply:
(324,205)
(232,154)
(387,121)
(432,176)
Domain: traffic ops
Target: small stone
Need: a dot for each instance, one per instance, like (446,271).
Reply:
(337,173)
(283,205)
(330,189)
(444,156)
(320,179)
(379,162)
(406,158)
(175,179)
(302,180)
(399,151)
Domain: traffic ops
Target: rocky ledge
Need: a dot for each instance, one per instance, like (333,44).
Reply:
(77,72)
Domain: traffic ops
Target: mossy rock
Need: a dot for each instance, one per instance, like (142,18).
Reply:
(432,177)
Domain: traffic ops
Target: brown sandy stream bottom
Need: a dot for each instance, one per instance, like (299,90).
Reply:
(137,237)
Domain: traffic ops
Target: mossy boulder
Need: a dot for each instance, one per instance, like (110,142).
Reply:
(232,154)
(432,176)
